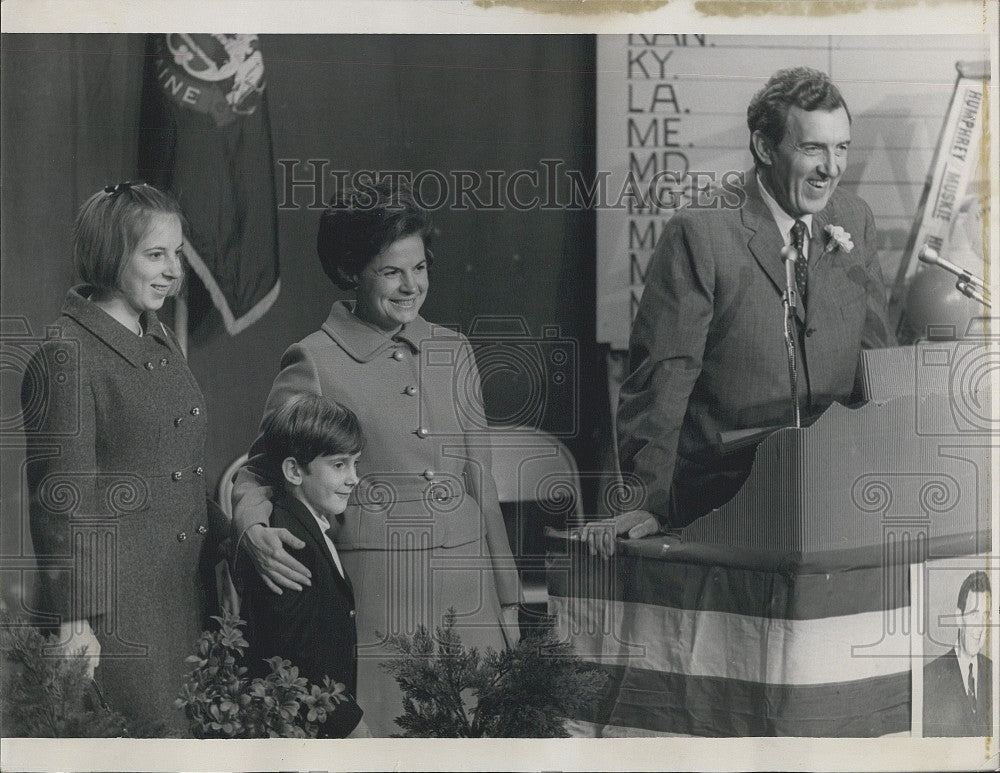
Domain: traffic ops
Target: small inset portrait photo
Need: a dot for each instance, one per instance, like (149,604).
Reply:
(955,693)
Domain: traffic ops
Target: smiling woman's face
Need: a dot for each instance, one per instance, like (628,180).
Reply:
(153,269)
(392,288)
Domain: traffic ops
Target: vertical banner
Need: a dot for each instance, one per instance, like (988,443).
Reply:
(953,192)
(206,137)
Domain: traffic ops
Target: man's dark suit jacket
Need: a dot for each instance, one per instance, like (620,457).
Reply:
(313,628)
(948,710)
(707,351)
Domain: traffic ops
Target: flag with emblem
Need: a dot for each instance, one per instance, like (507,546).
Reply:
(205,136)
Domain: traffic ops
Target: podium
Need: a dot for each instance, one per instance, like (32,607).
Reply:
(788,611)
(916,457)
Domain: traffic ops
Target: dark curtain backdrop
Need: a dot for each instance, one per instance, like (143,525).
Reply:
(70,107)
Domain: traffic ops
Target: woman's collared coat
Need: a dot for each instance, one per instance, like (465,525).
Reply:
(115,429)
(424,531)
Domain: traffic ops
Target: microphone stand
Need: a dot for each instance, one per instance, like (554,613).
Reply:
(790,302)
(970,285)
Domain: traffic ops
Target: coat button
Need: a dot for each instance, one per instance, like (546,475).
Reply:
(429,474)
(410,390)
(149,366)
(181,536)
(423,432)
(203,529)
(195,411)
(178,420)
(397,355)
(199,470)
(163,362)
(177,475)
(352,613)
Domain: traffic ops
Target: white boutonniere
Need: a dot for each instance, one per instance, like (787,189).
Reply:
(838,239)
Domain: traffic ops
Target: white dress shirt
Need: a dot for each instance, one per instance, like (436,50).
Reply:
(324,524)
(785,221)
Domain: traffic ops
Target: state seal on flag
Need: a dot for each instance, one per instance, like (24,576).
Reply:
(219,75)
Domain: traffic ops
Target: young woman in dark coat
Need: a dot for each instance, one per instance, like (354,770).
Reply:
(115,425)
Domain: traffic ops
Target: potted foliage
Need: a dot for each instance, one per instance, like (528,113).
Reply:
(50,697)
(220,701)
(523,692)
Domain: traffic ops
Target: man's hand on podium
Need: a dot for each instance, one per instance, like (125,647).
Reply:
(600,535)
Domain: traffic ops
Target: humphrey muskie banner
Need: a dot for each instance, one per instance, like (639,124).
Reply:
(205,136)
(955,187)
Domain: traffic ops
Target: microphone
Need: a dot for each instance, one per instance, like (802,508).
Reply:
(970,285)
(790,300)
(788,255)
(931,257)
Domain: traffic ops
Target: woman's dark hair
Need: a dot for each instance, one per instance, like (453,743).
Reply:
(803,87)
(361,222)
(110,225)
(308,426)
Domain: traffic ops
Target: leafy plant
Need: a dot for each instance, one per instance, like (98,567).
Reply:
(45,696)
(524,692)
(221,702)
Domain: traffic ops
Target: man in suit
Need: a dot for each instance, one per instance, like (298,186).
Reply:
(311,449)
(958,685)
(707,353)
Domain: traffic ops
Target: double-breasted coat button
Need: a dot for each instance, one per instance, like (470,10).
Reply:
(177,475)
(397,355)
(199,470)
(410,390)
(429,474)
(203,529)
(352,613)
(195,411)
(181,536)
(163,362)
(178,420)
(423,432)
(149,366)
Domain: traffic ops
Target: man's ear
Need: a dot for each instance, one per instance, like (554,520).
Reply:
(763,148)
(292,471)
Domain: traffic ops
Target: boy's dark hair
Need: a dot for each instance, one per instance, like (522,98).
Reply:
(308,426)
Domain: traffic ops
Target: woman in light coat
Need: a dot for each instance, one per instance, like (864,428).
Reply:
(424,532)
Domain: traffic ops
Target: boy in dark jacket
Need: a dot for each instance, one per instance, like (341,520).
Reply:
(312,447)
